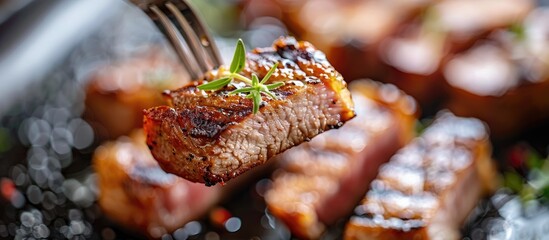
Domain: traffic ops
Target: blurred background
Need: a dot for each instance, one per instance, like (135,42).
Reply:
(78,73)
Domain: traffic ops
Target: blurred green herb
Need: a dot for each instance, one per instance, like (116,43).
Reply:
(518,30)
(422,124)
(255,88)
(5,142)
(534,184)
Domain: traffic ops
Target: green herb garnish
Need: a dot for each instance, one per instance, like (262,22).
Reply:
(519,31)
(533,184)
(255,87)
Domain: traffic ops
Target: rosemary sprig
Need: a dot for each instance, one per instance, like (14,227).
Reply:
(255,88)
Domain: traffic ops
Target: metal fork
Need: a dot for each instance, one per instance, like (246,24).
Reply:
(187,34)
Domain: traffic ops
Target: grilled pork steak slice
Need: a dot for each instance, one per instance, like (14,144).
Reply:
(321,181)
(212,137)
(428,188)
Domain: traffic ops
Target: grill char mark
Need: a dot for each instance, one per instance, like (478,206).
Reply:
(428,187)
(209,122)
(321,181)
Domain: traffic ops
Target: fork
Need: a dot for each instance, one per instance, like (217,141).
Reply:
(187,33)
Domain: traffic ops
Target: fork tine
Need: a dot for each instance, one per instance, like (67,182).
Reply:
(178,43)
(205,38)
(186,32)
(189,34)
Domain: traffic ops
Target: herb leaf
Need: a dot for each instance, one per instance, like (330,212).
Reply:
(255,80)
(268,75)
(239,58)
(270,94)
(256,97)
(274,85)
(242,90)
(254,86)
(216,84)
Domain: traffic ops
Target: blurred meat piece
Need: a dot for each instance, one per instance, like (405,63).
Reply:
(429,187)
(118,92)
(348,31)
(504,80)
(405,43)
(138,194)
(465,20)
(352,38)
(211,136)
(414,56)
(321,181)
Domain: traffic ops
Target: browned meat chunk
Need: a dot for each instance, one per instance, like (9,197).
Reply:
(349,32)
(504,80)
(138,194)
(429,187)
(321,181)
(117,93)
(212,137)
(414,56)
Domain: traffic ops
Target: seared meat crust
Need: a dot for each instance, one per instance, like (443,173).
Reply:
(321,181)
(428,188)
(212,137)
(136,193)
